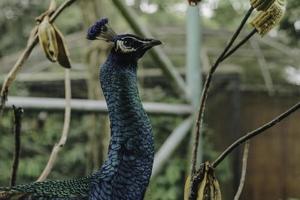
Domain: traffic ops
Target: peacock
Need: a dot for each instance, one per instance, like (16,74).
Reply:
(126,172)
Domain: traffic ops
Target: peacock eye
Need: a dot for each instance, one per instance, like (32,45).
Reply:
(126,42)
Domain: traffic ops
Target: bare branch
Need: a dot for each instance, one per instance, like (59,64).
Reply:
(17,131)
(206,89)
(64,5)
(32,41)
(254,133)
(222,57)
(57,147)
(241,43)
(244,169)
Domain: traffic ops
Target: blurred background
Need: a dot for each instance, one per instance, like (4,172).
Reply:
(258,82)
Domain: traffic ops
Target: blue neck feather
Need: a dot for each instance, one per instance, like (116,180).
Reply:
(127,170)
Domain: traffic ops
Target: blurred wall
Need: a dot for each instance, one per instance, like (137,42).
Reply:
(274,159)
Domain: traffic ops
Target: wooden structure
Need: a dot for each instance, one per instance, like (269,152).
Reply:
(274,159)
(273,165)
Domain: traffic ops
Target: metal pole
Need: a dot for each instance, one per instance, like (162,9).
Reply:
(193,64)
(96,106)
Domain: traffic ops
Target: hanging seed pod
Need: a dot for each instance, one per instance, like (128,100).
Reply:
(264,21)
(261,5)
(51,39)
(63,53)
(47,39)
(205,185)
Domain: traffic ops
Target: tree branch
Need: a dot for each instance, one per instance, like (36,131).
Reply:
(243,174)
(32,41)
(254,133)
(18,112)
(208,80)
(67,118)
(241,43)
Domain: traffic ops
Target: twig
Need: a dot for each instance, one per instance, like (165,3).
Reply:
(243,174)
(32,41)
(254,133)
(199,121)
(57,12)
(206,89)
(241,43)
(17,130)
(67,118)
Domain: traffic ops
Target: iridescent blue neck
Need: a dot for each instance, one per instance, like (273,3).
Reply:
(118,79)
(120,59)
(127,169)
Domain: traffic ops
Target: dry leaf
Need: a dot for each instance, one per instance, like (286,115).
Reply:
(205,184)
(63,53)
(47,39)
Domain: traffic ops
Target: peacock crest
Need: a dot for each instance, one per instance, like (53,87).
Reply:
(101,30)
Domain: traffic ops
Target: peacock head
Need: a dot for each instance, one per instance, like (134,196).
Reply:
(124,45)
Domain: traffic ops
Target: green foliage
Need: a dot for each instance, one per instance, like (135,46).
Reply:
(169,184)
(38,139)
(223,172)
(14,27)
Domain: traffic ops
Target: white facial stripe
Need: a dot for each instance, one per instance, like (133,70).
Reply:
(136,39)
(123,48)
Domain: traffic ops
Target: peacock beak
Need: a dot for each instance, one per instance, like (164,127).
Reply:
(154,42)
(149,43)
(146,45)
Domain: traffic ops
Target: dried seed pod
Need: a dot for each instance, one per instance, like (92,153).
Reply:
(264,21)
(47,39)
(206,186)
(261,5)
(63,53)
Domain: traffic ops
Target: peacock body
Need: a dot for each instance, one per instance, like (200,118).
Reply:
(129,163)
(126,172)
